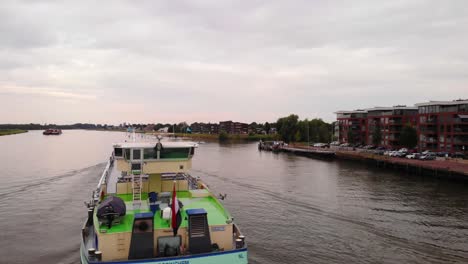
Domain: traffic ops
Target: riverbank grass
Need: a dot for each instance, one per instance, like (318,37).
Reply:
(6,132)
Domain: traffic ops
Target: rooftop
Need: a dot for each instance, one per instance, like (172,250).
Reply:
(377,108)
(351,112)
(454,102)
(400,107)
(168,144)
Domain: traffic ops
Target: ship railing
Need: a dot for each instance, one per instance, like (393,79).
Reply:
(104,177)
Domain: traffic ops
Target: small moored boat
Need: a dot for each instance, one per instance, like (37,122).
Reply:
(147,208)
(52,131)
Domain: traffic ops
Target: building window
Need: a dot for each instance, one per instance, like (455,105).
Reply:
(136,154)
(463,108)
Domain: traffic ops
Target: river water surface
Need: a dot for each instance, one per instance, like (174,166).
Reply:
(292,209)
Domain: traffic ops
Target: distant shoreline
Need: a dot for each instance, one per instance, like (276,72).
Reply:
(7,132)
(215,137)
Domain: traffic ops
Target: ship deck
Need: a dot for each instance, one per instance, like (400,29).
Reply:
(217,215)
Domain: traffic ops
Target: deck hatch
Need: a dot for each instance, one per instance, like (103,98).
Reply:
(199,235)
(197,226)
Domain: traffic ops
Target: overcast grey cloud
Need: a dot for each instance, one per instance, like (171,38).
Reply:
(160,61)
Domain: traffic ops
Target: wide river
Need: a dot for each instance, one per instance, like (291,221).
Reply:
(292,209)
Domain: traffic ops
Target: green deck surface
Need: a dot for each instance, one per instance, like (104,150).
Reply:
(217,215)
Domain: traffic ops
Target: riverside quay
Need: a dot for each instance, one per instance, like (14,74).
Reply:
(441,126)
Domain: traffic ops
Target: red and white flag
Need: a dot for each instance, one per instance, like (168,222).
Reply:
(176,217)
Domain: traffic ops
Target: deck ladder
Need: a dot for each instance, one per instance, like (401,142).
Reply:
(136,186)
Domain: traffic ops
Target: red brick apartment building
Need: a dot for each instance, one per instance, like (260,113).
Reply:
(233,127)
(204,128)
(443,126)
(440,125)
(352,126)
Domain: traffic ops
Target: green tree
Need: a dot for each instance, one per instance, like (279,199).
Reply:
(267,127)
(324,132)
(298,137)
(408,136)
(172,128)
(301,133)
(287,127)
(223,136)
(376,136)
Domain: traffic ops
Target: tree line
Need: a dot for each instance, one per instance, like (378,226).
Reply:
(291,129)
(32,126)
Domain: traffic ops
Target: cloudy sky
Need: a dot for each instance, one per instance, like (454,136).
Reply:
(211,60)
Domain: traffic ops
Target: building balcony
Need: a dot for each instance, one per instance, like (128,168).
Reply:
(428,131)
(428,122)
(395,122)
(429,140)
(460,140)
(457,130)
(460,121)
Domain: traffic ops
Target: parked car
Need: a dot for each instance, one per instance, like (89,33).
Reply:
(369,147)
(413,156)
(379,151)
(320,145)
(458,155)
(401,154)
(428,156)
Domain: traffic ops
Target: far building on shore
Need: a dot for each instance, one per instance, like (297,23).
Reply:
(204,128)
(441,126)
(231,127)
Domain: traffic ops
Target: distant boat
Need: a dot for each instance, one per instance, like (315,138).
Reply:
(52,131)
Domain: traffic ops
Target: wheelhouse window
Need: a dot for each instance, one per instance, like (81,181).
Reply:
(127,154)
(136,166)
(118,152)
(174,153)
(136,154)
(149,153)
